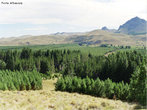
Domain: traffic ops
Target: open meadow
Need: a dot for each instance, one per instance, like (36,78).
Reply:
(49,99)
(94,50)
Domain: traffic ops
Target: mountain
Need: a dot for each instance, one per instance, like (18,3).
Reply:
(95,37)
(105,28)
(133,26)
(66,33)
(130,33)
(109,30)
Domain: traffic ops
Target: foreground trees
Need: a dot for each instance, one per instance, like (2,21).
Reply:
(138,84)
(97,87)
(20,80)
(135,91)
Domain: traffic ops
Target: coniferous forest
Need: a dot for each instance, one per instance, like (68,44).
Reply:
(120,75)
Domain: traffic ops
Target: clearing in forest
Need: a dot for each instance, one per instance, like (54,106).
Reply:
(49,99)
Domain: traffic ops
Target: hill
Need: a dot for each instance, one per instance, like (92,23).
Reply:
(133,26)
(109,30)
(130,33)
(96,37)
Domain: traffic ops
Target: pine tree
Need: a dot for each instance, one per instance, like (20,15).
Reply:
(109,88)
(2,65)
(44,66)
(138,85)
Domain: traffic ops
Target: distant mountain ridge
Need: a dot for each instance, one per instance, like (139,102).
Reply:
(109,30)
(133,26)
(105,28)
(95,37)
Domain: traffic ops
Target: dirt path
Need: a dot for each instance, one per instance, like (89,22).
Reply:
(48,99)
(108,53)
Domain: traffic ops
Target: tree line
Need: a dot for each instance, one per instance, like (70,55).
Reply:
(118,67)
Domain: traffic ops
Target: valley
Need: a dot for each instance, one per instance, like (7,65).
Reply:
(101,69)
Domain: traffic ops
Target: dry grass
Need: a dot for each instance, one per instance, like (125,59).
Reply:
(48,99)
(103,37)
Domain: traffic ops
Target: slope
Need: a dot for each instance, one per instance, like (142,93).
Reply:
(133,26)
(48,99)
(96,37)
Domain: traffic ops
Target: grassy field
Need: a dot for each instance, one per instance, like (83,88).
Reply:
(48,99)
(84,49)
(95,50)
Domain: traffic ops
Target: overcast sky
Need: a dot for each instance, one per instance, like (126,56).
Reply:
(37,17)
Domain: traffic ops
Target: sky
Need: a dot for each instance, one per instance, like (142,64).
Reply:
(40,17)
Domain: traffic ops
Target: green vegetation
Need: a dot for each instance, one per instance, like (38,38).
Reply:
(138,85)
(135,91)
(100,71)
(20,80)
(97,87)
(126,69)
(84,49)
(53,61)
(117,67)
(94,50)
